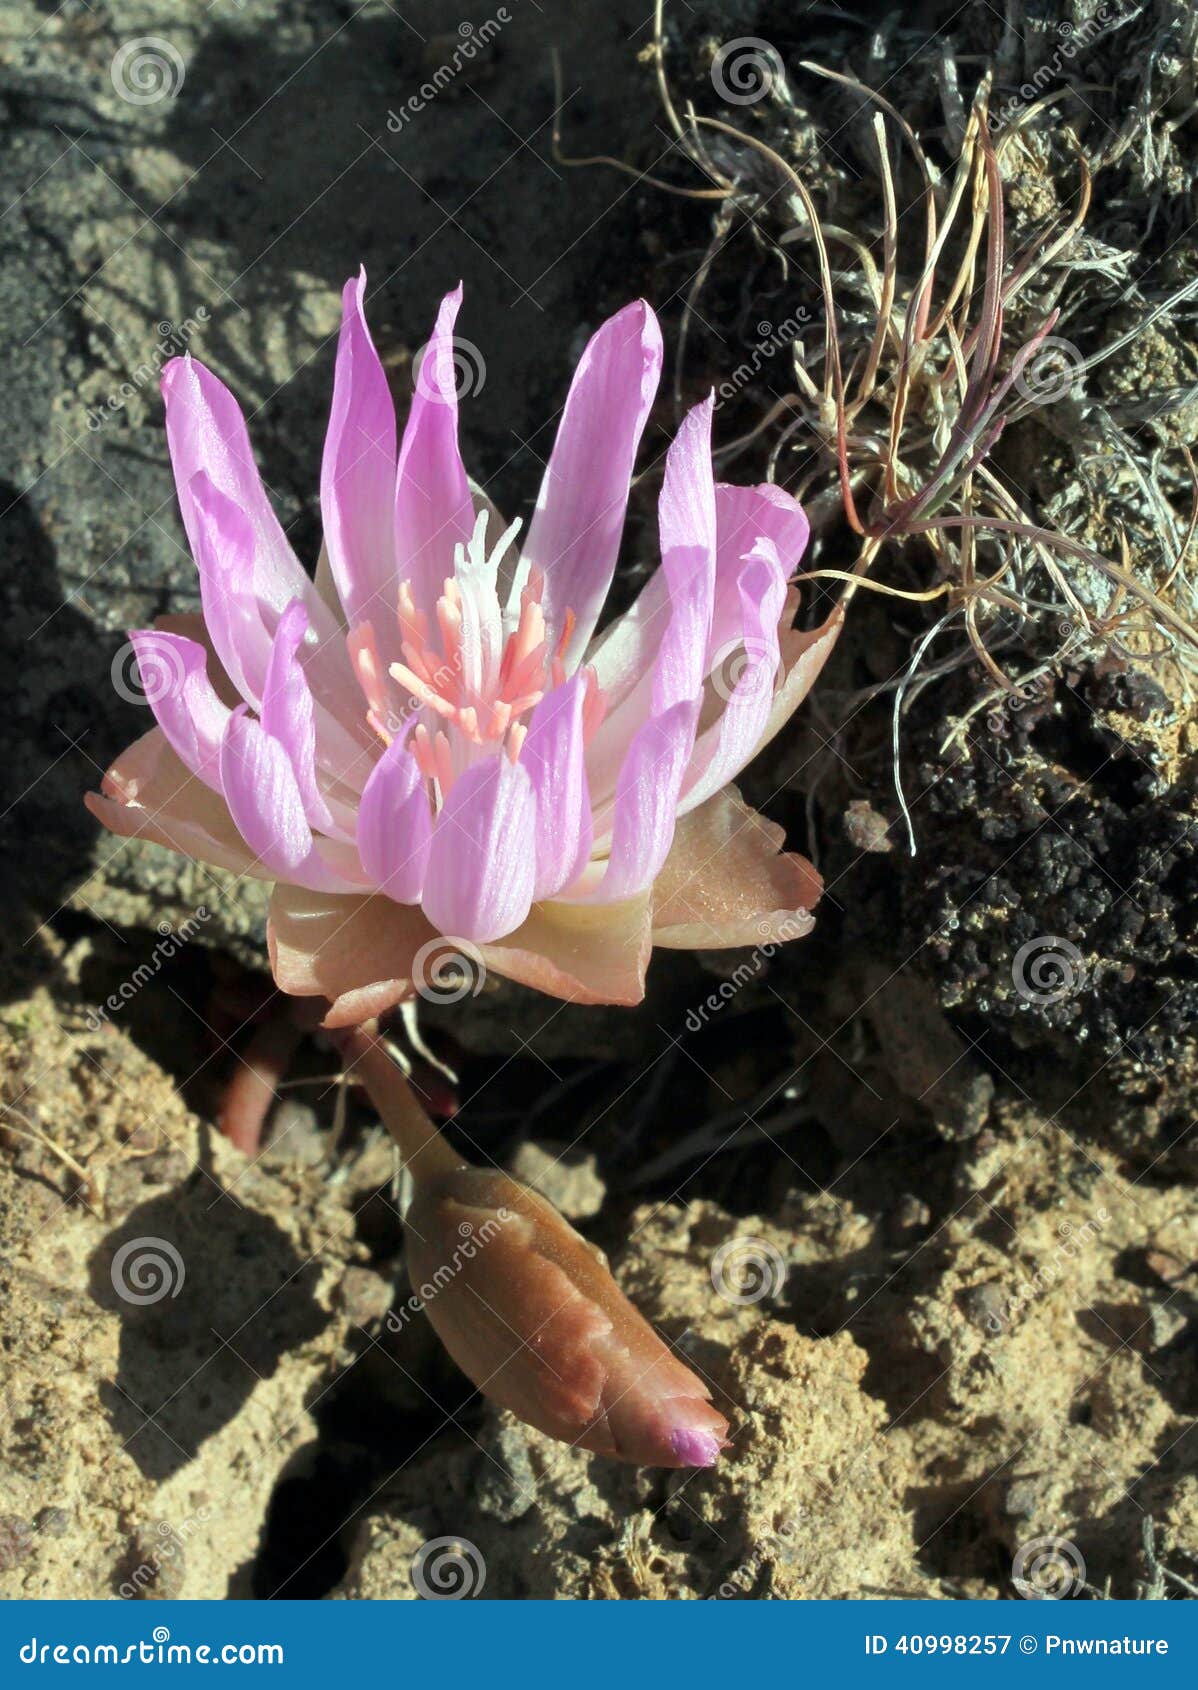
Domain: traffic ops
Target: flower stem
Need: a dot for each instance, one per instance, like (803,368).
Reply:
(426,1154)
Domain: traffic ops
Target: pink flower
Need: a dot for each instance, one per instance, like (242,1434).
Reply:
(430,738)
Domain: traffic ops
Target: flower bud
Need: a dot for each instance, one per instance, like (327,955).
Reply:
(530,1313)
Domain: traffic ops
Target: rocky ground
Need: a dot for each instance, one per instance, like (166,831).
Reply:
(964,1314)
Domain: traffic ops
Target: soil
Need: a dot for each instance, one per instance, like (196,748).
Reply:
(970,1205)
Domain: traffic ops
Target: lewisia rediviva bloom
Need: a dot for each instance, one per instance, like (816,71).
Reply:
(430,737)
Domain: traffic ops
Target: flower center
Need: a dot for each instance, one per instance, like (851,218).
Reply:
(461,667)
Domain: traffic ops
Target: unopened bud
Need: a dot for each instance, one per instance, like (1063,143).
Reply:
(530,1313)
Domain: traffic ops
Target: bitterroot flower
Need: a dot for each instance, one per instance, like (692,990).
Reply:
(430,738)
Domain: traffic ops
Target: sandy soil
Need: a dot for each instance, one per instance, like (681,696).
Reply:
(975,1315)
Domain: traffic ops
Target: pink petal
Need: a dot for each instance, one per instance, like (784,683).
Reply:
(646,802)
(553,755)
(724,749)
(433,508)
(288,714)
(266,805)
(395,825)
(482,862)
(360,952)
(206,432)
(724,882)
(585,953)
(687,521)
(148,793)
(357,482)
(575,531)
(743,515)
(243,631)
(174,677)
(222,542)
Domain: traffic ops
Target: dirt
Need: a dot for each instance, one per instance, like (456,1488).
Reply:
(970,1206)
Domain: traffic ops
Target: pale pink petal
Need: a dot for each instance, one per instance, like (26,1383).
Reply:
(433,508)
(725,884)
(626,650)
(575,531)
(148,793)
(264,799)
(585,953)
(687,522)
(646,801)
(174,676)
(243,631)
(357,951)
(222,542)
(553,755)
(395,825)
(745,515)
(482,862)
(288,713)
(804,653)
(206,432)
(725,747)
(357,483)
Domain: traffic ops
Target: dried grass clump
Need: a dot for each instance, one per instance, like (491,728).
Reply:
(928,355)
